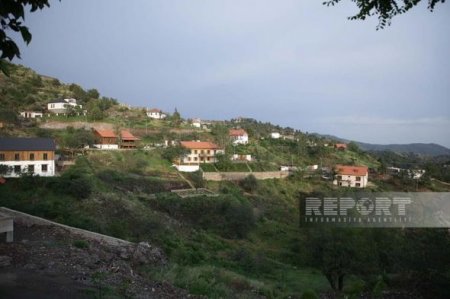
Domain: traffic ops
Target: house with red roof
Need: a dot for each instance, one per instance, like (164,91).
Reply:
(105,139)
(198,152)
(238,136)
(128,140)
(351,176)
(340,146)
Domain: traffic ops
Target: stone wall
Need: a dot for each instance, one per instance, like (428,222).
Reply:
(237,176)
(27,219)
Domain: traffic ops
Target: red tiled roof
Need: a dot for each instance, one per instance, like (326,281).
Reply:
(340,145)
(199,145)
(237,132)
(154,110)
(126,135)
(106,133)
(351,170)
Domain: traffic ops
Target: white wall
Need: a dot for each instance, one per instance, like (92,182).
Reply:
(243,139)
(187,168)
(24,167)
(107,146)
(350,181)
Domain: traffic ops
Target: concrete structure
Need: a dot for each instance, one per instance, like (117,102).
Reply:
(106,139)
(237,176)
(60,106)
(31,114)
(156,114)
(28,155)
(351,176)
(238,157)
(7,226)
(187,168)
(238,136)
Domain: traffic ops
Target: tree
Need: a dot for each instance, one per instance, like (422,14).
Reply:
(12,15)
(176,118)
(384,9)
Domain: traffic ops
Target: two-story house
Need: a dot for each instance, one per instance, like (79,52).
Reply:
(351,176)
(27,155)
(156,114)
(108,140)
(238,136)
(197,152)
(61,106)
(128,140)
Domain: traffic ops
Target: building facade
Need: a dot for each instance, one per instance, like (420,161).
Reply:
(105,139)
(351,176)
(156,114)
(238,136)
(200,152)
(60,106)
(27,155)
(31,114)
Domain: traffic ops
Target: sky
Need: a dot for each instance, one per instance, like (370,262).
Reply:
(293,63)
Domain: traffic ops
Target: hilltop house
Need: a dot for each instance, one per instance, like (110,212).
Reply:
(105,139)
(351,176)
(197,123)
(31,114)
(275,135)
(197,152)
(61,106)
(156,114)
(32,155)
(238,136)
(340,146)
(128,140)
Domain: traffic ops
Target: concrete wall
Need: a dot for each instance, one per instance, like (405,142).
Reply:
(236,176)
(27,219)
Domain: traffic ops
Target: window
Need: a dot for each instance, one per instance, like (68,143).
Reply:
(44,167)
(195,158)
(358,185)
(195,151)
(45,156)
(209,152)
(358,178)
(17,169)
(339,177)
(202,151)
(340,183)
(209,158)
(2,157)
(189,159)
(30,168)
(31,157)
(17,157)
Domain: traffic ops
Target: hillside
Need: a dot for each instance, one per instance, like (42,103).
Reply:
(424,149)
(237,239)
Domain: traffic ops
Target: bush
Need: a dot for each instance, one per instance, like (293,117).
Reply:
(82,244)
(249,183)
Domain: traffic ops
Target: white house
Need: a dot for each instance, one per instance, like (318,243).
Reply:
(31,114)
(60,106)
(238,157)
(27,155)
(238,136)
(197,123)
(351,176)
(156,114)
(275,135)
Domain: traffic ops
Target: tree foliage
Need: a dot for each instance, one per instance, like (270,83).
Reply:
(12,15)
(384,9)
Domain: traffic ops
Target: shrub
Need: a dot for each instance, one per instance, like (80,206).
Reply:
(249,183)
(82,244)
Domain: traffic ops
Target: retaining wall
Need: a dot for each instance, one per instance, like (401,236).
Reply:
(237,176)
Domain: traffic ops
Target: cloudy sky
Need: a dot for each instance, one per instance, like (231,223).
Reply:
(293,63)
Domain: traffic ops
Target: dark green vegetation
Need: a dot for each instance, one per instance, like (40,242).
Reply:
(246,242)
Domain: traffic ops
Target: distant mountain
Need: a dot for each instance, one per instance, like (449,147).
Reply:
(423,149)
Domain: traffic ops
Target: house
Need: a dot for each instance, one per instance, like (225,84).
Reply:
(27,155)
(197,152)
(238,136)
(351,176)
(275,135)
(61,106)
(239,157)
(197,123)
(128,140)
(156,114)
(105,139)
(31,114)
(340,146)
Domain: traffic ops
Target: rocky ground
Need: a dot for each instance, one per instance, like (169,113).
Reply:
(50,262)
